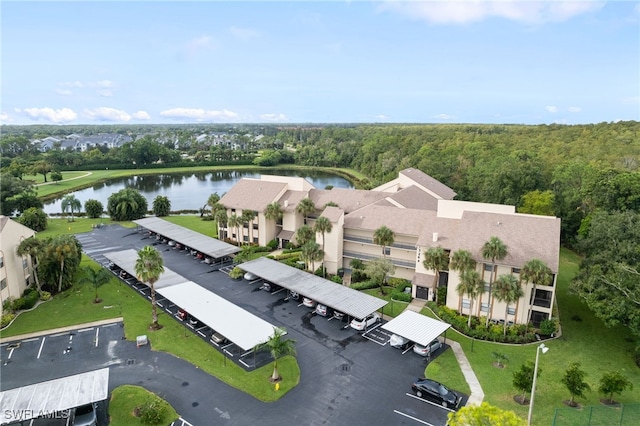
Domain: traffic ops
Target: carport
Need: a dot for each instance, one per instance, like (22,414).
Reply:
(344,299)
(239,326)
(46,398)
(211,247)
(416,327)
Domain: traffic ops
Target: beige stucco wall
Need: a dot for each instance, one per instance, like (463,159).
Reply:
(12,270)
(333,247)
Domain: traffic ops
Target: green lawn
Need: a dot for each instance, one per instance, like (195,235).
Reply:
(39,179)
(587,341)
(195,223)
(124,401)
(445,369)
(75,307)
(62,226)
(394,307)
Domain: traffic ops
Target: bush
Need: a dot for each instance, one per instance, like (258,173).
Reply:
(273,244)
(364,285)
(442,295)
(34,218)
(399,283)
(401,296)
(337,279)
(236,273)
(548,327)
(30,298)
(94,208)
(358,276)
(45,295)
(152,412)
(18,304)
(6,319)
(7,305)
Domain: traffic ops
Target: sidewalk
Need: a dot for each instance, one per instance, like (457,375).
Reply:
(477,394)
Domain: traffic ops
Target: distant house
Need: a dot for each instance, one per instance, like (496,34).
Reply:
(77,142)
(422,214)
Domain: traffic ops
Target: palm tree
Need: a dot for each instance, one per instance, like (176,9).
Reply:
(161,206)
(305,234)
(436,259)
(383,237)
(32,247)
(311,253)
(535,271)
(493,249)
(221,219)
(273,212)
(471,284)
(212,201)
(235,221)
(462,261)
(96,277)
(306,207)
(323,225)
(508,290)
(148,268)
(278,347)
(70,202)
(63,250)
(248,216)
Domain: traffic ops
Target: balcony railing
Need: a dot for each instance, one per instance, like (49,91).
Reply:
(370,241)
(396,262)
(544,303)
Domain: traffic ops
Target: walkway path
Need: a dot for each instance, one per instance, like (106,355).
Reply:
(477,394)
(77,177)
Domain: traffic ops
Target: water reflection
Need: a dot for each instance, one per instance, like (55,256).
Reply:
(187,191)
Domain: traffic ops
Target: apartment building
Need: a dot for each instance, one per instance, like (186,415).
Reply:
(15,271)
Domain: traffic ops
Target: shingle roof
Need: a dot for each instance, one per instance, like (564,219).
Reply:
(291,198)
(400,221)
(332,213)
(347,199)
(526,236)
(413,197)
(252,194)
(430,183)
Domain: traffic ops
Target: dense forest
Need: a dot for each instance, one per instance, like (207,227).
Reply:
(585,174)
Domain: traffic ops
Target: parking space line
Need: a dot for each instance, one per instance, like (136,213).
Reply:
(412,418)
(227,352)
(10,353)
(429,402)
(97,332)
(374,340)
(41,346)
(110,325)
(31,340)
(85,329)
(244,363)
(201,333)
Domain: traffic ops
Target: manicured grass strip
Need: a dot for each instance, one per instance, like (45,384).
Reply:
(124,401)
(39,179)
(195,223)
(445,369)
(61,226)
(393,308)
(75,306)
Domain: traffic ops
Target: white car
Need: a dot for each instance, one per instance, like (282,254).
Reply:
(250,277)
(427,350)
(309,303)
(399,342)
(363,324)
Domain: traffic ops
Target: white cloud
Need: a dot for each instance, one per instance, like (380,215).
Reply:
(467,11)
(141,115)
(198,44)
(199,114)
(575,109)
(71,84)
(62,115)
(273,117)
(551,108)
(444,116)
(107,114)
(5,118)
(64,92)
(105,93)
(243,34)
(382,117)
(105,83)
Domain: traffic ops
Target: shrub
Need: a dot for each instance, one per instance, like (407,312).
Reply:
(236,273)
(548,327)
(399,283)
(6,319)
(273,244)
(30,298)
(7,305)
(94,208)
(152,412)
(442,295)
(34,218)
(364,285)
(290,246)
(358,276)
(337,279)
(401,296)
(45,295)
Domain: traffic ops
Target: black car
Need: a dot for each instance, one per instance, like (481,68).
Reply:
(427,388)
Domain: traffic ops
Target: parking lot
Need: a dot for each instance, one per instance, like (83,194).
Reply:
(345,374)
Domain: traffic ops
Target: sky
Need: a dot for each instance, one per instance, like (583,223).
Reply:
(521,62)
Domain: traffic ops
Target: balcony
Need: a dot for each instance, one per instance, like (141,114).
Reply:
(542,302)
(396,262)
(370,241)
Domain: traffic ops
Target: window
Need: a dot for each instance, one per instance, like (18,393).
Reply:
(386,251)
(515,270)
(233,211)
(466,303)
(511,311)
(3,284)
(484,307)
(486,287)
(488,267)
(24,263)
(255,226)
(245,238)
(255,240)
(1,261)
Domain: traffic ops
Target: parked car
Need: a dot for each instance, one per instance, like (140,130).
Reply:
(309,303)
(323,310)
(250,277)
(363,324)
(218,338)
(427,350)
(427,388)
(338,315)
(294,295)
(85,415)
(182,314)
(399,342)
(270,287)
(200,256)
(172,243)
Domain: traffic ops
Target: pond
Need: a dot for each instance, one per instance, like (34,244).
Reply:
(188,191)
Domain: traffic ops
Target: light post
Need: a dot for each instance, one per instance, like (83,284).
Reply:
(535,376)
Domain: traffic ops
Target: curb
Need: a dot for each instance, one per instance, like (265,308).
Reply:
(60,330)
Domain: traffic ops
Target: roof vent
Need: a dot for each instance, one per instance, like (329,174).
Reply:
(435,237)
(361,217)
(286,203)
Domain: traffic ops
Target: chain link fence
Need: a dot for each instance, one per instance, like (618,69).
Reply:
(598,415)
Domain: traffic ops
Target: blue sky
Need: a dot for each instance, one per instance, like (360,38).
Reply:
(329,61)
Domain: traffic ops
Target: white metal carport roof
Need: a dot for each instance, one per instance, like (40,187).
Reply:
(239,326)
(344,299)
(126,259)
(42,399)
(416,327)
(210,246)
